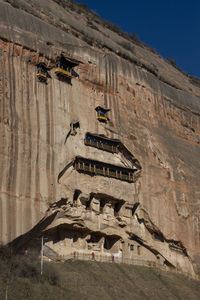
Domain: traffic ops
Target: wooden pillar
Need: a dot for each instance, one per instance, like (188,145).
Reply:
(104,171)
(79,165)
(132,177)
(129,176)
(120,174)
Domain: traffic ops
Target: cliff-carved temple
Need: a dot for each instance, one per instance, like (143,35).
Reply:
(100,140)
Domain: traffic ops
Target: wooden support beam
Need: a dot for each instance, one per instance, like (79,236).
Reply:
(104,171)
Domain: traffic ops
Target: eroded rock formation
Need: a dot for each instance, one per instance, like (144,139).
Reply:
(133,189)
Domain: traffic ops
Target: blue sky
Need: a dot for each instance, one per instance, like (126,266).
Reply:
(172,28)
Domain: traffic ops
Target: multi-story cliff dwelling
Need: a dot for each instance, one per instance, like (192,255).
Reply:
(100,140)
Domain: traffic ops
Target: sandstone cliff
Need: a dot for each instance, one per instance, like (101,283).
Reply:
(154,116)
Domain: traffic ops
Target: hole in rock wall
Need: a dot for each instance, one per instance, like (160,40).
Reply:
(87,204)
(75,197)
(75,239)
(135,206)
(59,234)
(73,127)
(117,207)
(102,205)
(110,242)
(109,205)
(95,238)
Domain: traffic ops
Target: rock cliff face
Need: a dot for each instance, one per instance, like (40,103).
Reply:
(131,189)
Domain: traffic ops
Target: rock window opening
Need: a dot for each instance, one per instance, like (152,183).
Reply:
(135,206)
(42,72)
(75,198)
(131,247)
(73,128)
(75,239)
(87,206)
(110,242)
(93,167)
(102,205)
(102,114)
(117,207)
(64,68)
(138,250)
(94,238)
(88,202)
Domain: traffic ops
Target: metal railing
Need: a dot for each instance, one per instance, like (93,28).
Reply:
(108,259)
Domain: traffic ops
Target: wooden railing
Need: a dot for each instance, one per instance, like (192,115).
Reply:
(99,168)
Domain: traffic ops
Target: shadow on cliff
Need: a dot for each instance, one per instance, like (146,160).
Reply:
(33,237)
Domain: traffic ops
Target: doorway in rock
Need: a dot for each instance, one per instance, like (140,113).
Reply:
(111,243)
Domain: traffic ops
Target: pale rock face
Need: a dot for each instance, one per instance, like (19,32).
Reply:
(154,219)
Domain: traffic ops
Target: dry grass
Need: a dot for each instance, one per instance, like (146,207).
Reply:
(20,279)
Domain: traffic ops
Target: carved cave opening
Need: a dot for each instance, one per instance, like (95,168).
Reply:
(75,197)
(73,127)
(94,238)
(111,243)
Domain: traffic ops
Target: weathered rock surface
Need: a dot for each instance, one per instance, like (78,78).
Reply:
(155,114)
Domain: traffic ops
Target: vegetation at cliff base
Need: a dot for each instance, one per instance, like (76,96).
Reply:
(20,278)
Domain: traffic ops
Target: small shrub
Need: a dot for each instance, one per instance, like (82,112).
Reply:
(127,46)
(171,61)
(51,274)
(91,25)
(195,80)
(26,266)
